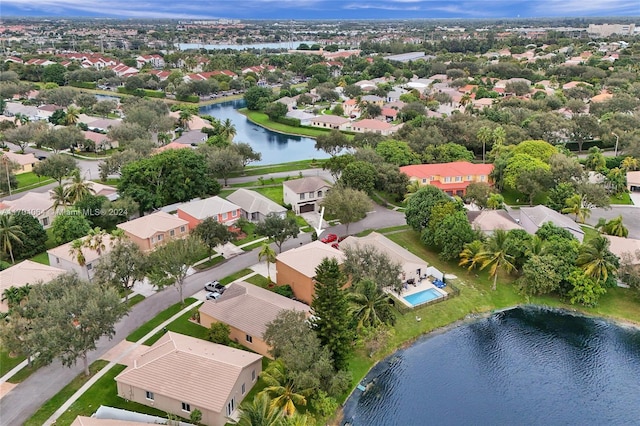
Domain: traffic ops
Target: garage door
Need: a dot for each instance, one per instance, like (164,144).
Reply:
(307,208)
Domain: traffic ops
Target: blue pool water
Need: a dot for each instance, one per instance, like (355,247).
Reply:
(423,297)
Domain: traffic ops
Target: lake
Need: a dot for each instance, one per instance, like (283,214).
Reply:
(525,366)
(275,147)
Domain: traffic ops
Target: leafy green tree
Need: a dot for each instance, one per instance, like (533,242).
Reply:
(222,161)
(281,389)
(54,73)
(419,206)
(452,234)
(24,134)
(34,238)
(396,152)
(370,305)
(330,312)
(218,332)
(196,416)
(576,205)
(584,289)
(565,169)
(104,107)
(278,229)
(520,163)
(10,234)
(539,149)
(359,175)
(539,275)
(170,263)
(56,166)
(78,188)
(122,267)
(15,296)
(8,180)
(615,227)
(557,197)
(347,205)
(60,197)
(276,110)
(247,153)
(469,256)
(332,143)
(212,234)
(595,159)
(257,97)
(268,255)
(366,263)
(446,153)
(58,117)
(69,226)
(495,255)
(478,193)
(533,183)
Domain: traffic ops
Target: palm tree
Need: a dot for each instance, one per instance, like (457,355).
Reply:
(495,201)
(617,180)
(496,256)
(260,412)
(630,163)
(60,197)
(499,136)
(14,296)
(9,233)
(412,188)
(485,135)
(269,255)
(21,118)
(284,394)
(536,247)
(595,260)
(184,118)
(95,240)
(575,205)
(73,114)
(615,227)
(227,129)
(76,250)
(77,189)
(370,305)
(469,255)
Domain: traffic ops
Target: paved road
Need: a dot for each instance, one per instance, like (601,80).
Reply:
(28,396)
(630,217)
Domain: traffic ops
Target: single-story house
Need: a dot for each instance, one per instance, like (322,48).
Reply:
(487,221)
(180,374)
(247,309)
(153,230)
(223,211)
(289,102)
(193,137)
(93,421)
(171,145)
(102,124)
(633,181)
(453,178)
(195,122)
(374,126)
(304,194)
(532,218)
(12,109)
(330,122)
(100,140)
(37,204)
(24,162)
(105,190)
(372,99)
(297,267)
(304,117)
(619,246)
(64,257)
(255,206)
(23,273)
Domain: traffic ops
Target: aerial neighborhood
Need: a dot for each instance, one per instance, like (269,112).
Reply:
(207,231)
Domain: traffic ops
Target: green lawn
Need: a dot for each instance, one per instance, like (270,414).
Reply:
(272,181)
(41,258)
(7,362)
(259,280)
(304,226)
(623,198)
(209,263)
(231,278)
(158,319)
(589,233)
(28,181)
(181,325)
(110,181)
(279,168)
(273,193)
(58,399)
(262,119)
(254,246)
(515,198)
(135,300)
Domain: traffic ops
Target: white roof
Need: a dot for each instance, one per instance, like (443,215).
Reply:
(251,201)
(620,245)
(64,251)
(26,272)
(34,203)
(212,206)
(147,226)
(306,258)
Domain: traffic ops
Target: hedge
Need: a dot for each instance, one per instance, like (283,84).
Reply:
(190,98)
(142,92)
(83,84)
(288,121)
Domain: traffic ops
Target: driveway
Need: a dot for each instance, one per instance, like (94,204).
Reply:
(630,217)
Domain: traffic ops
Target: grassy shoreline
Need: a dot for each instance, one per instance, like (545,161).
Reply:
(261,119)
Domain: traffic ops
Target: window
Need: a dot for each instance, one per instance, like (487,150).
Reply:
(311,195)
(234,213)
(249,339)
(89,266)
(447,179)
(186,407)
(231,406)
(469,177)
(302,196)
(45,221)
(160,237)
(172,232)
(253,375)
(424,180)
(225,216)
(319,194)
(482,178)
(150,396)
(182,229)
(458,178)
(57,260)
(243,389)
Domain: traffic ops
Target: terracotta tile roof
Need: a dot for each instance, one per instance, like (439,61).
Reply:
(63,251)
(249,308)
(184,368)
(26,272)
(306,258)
(307,184)
(456,168)
(330,119)
(21,159)
(147,226)
(172,145)
(371,124)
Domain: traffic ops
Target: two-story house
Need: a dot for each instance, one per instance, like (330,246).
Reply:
(304,194)
(453,178)
(81,262)
(151,231)
(221,210)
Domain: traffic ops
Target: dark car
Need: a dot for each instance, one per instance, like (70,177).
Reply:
(214,286)
(329,238)
(41,157)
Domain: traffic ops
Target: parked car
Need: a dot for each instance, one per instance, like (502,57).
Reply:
(215,286)
(213,295)
(329,238)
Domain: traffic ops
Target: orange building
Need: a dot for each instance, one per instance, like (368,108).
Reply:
(452,178)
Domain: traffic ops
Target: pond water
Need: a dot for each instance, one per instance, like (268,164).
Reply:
(525,366)
(275,147)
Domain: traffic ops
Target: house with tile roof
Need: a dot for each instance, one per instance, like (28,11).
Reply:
(65,258)
(180,374)
(330,122)
(37,204)
(223,211)
(374,126)
(23,162)
(453,178)
(297,267)
(155,229)
(305,194)
(255,206)
(633,181)
(24,273)
(625,247)
(247,309)
(487,221)
(532,218)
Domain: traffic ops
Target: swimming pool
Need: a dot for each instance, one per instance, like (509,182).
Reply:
(423,297)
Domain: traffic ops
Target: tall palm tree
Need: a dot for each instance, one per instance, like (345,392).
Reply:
(9,233)
(14,296)
(630,163)
(184,118)
(227,129)
(370,305)
(73,114)
(95,240)
(77,189)
(615,227)
(76,250)
(260,412)
(496,256)
(485,135)
(281,389)
(269,255)
(60,197)
(469,255)
(412,188)
(575,205)
(594,259)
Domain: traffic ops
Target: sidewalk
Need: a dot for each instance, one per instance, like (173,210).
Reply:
(51,420)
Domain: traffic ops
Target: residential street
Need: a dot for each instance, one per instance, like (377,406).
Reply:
(28,396)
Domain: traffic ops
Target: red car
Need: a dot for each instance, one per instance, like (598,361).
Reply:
(329,238)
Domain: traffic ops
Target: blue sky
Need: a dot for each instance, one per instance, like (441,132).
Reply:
(320,9)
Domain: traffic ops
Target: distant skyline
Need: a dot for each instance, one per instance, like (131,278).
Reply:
(320,9)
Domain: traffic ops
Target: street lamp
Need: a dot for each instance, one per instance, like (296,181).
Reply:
(615,152)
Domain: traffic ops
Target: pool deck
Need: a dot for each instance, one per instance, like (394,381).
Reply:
(417,288)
